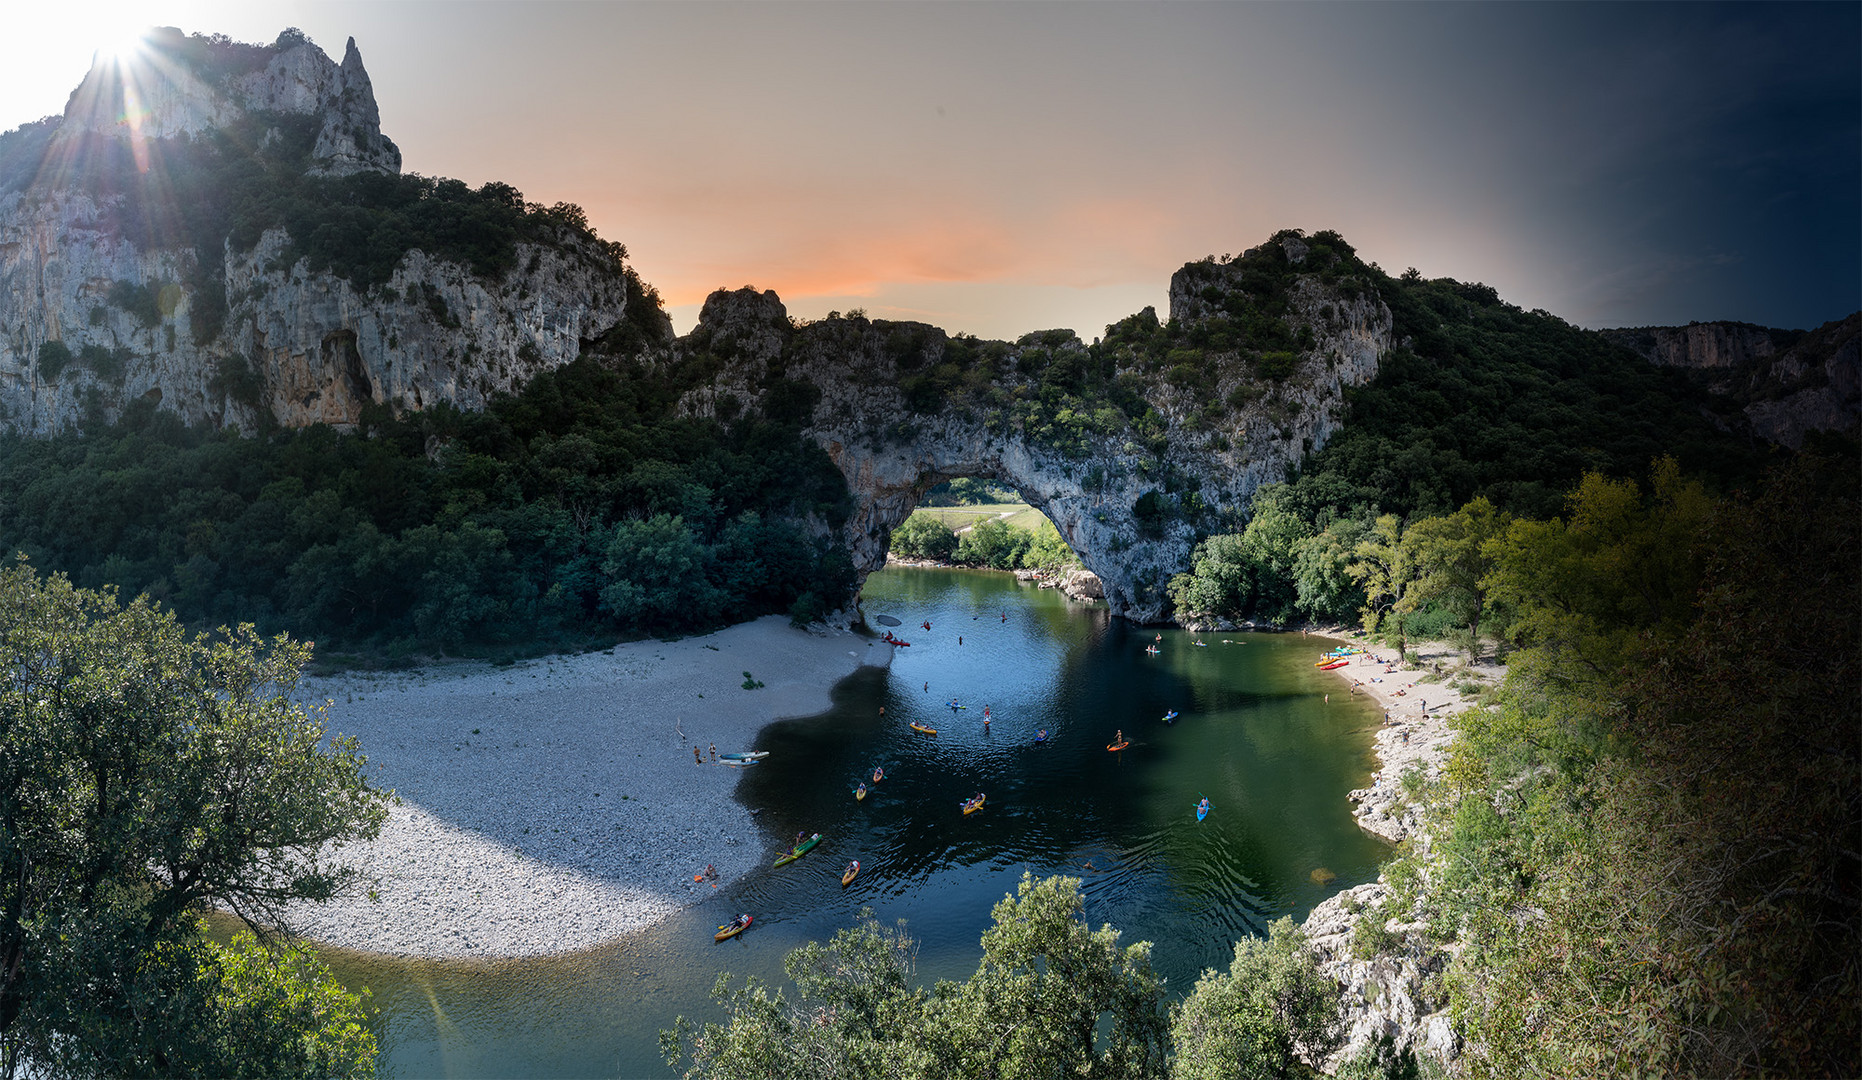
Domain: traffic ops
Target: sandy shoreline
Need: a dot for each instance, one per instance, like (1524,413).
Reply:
(554,805)
(1391,994)
(1416,730)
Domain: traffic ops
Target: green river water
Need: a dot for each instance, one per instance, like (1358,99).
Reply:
(1254,735)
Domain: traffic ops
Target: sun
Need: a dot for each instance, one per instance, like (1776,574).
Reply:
(124,46)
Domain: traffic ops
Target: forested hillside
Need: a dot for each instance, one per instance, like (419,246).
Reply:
(573,512)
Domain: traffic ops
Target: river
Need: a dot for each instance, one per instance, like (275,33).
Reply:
(1255,735)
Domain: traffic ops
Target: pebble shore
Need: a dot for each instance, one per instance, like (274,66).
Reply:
(554,805)
(1390,994)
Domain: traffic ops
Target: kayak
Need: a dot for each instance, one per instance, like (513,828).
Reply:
(1152,650)
(859,793)
(1041,736)
(922,730)
(1118,745)
(739,763)
(801,849)
(1170,716)
(971,806)
(733,928)
(745,755)
(1333,664)
(853,870)
(879,773)
(1202,810)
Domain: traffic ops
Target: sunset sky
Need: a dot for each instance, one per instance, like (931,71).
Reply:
(1001,168)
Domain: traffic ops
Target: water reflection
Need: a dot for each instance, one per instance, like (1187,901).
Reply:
(1254,736)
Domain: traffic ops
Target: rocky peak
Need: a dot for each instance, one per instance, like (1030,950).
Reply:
(177,85)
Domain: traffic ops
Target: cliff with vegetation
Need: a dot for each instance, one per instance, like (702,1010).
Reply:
(222,230)
(1776,385)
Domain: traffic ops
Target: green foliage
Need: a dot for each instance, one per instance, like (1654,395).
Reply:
(994,544)
(200,1009)
(54,357)
(1257,1020)
(1253,571)
(968,491)
(140,300)
(145,772)
(1513,406)
(107,363)
(923,536)
(442,531)
(1051,997)
(1642,856)
(1454,559)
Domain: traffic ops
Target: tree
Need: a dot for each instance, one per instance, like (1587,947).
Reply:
(924,536)
(1220,581)
(1322,572)
(1272,1010)
(852,1016)
(145,773)
(1386,568)
(658,571)
(1034,1007)
(1453,558)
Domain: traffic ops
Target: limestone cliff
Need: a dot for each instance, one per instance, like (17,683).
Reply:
(1779,384)
(1133,446)
(124,275)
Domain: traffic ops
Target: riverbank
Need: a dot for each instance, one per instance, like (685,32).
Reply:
(1396,992)
(553,805)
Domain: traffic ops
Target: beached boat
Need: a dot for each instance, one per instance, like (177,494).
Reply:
(800,850)
(1328,666)
(733,928)
(745,755)
(853,870)
(922,730)
(971,806)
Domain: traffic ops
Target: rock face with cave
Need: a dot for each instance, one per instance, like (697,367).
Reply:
(1133,446)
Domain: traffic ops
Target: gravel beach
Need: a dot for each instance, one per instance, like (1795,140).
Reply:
(1416,730)
(554,805)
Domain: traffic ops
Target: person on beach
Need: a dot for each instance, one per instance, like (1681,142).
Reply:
(714,748)
(697,758)
(959,639)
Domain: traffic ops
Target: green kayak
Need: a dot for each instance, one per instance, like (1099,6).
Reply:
(800,850)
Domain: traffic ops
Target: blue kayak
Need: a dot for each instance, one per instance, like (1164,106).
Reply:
(1170,716)
(1202,810)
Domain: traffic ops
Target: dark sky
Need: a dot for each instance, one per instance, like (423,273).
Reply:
(1000,168)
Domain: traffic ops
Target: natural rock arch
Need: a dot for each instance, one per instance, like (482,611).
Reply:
(902,407)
